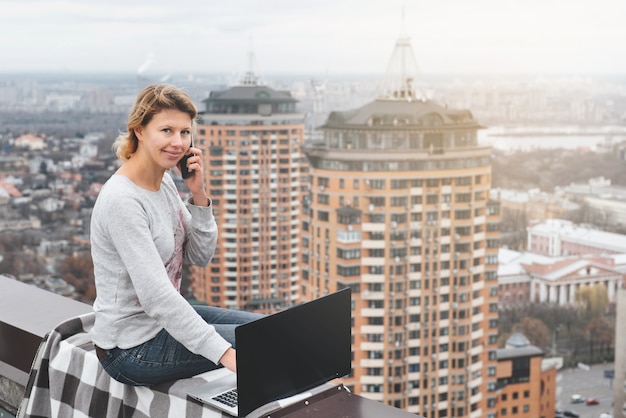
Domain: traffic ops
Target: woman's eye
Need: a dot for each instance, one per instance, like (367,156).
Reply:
(166,130)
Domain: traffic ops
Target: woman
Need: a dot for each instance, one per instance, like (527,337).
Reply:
(145,332)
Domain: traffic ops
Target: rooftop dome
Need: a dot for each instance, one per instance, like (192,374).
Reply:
(517,340)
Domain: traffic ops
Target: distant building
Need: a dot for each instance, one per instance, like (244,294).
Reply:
(252,137)
(534,204)
(513,279)
(607,203)
(525,278)
(526,387)
(557,237)
(32,142)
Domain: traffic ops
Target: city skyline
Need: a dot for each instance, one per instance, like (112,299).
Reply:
(321,38)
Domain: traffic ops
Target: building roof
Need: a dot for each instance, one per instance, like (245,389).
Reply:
(256,94)
(570,232)
(512,263)
(10,189)
(400,103)
(515,266)
(392,114)
(517,345)
(568,268)
(508,353)
(517,340)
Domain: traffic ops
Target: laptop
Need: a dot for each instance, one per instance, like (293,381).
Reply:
(285,354)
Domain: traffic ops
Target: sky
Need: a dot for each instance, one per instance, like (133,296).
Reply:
(317,38)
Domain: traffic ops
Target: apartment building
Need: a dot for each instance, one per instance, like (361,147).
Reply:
(251,136)
(400,212)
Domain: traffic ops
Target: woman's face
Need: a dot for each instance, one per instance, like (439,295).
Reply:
(165,139)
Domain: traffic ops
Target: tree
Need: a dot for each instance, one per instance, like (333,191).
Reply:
(592,301)
(600,334)
(78,271)
(534,329)
(556,316)
(513,228)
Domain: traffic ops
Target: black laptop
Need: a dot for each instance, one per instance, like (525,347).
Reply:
(285,354)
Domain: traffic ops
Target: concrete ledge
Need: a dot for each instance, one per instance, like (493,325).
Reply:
(27,314)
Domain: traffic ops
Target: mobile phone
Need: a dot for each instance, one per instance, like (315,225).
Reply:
(182,164)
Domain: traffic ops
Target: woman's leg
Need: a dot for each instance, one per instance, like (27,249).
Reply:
(225,320)
(163,358)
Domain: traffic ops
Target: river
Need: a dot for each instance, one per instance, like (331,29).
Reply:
(530,139)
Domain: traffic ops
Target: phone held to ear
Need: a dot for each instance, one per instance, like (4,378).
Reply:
(182,164)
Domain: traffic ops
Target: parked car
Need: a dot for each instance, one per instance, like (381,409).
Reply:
(576,398)
(571,414)
(592,401)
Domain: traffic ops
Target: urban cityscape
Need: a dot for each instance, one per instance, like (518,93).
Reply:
(479,220)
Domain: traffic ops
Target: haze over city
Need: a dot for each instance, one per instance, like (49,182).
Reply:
(317,38)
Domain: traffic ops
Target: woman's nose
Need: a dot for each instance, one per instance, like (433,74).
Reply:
(178,140)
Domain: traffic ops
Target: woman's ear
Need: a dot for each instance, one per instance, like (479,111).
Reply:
(138,132)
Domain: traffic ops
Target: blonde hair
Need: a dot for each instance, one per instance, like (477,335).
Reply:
(150,101)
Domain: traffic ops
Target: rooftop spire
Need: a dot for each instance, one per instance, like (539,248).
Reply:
(249,78)
(400,79)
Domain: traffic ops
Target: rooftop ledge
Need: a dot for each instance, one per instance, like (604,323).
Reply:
(27,313)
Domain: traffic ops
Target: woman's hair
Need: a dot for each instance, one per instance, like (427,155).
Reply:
(149,102)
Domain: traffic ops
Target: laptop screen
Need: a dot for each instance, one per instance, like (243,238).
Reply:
(289,352)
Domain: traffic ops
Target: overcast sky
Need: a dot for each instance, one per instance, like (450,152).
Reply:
(313,37)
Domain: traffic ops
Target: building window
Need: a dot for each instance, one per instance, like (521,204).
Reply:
(399,184)
(399,201)
(348,271)
(348,236)
(432,199)
(349,254)
(378,184)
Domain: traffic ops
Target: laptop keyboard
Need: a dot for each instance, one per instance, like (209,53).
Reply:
(228,398)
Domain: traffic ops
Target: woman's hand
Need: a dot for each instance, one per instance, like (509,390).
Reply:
(195,182)
(229,360)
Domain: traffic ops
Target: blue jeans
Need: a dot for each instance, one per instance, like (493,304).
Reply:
(162,358)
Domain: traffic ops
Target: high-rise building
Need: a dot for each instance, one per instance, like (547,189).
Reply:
(252,137)
(400,212)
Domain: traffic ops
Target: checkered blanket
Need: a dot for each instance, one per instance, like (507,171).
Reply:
(67,380)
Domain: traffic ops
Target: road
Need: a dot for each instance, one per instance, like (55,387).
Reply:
(589,384)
